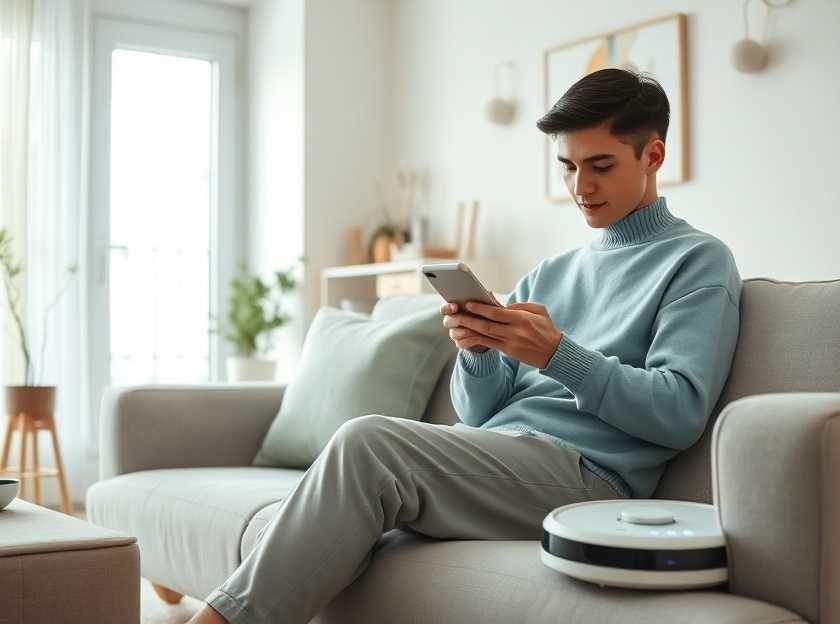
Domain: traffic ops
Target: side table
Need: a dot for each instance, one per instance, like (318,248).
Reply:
(57,569)
(32,416)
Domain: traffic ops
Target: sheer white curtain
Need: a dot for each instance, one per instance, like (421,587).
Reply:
(15,40)
(55,227)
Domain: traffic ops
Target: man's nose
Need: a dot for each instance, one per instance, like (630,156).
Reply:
(584,186)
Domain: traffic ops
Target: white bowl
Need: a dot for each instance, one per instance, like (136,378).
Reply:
(9,489)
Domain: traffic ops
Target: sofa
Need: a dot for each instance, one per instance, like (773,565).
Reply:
(176,472)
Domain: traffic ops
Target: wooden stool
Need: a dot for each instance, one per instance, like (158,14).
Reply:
(29,426)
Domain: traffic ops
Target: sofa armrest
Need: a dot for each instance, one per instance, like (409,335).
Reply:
(776,481)
(159,426)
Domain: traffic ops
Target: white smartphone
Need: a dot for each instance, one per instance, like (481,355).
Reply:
(456,283)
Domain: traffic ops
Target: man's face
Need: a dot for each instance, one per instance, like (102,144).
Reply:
(597,168)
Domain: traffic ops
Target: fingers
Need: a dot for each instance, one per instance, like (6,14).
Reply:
(454,320)
(477,342)
(476,323)
(457,332)
(467,339)
(498,314)
(460,333)
(530,307)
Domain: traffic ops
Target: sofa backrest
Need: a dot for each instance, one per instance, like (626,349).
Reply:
(789,341)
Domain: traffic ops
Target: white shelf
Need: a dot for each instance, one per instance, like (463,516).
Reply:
(363,282)
(379,268)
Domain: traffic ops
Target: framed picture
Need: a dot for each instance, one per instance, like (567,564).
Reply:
(657,47)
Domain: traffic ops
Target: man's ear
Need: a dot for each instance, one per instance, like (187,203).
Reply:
(654,155)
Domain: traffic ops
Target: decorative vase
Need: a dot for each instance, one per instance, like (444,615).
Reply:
(382,248)
(241,368)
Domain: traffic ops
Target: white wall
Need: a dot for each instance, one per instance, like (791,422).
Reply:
(275,148)
(348,91)
(388,81)
(318,118)
(762,145)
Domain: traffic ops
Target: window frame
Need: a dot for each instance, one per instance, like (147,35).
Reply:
(226,226)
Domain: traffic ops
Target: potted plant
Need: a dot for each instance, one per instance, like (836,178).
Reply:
(255,310)
(32,397)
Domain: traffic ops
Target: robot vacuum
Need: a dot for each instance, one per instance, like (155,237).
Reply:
(643,544)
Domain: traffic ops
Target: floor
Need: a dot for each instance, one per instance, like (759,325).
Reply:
(153,610)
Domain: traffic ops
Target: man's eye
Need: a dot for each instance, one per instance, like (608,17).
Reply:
(598,169)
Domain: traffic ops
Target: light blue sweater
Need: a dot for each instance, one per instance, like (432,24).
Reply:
(650,317)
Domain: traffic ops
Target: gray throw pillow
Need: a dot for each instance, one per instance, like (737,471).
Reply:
(352,365)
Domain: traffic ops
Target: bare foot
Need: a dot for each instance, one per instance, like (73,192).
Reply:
(207,615)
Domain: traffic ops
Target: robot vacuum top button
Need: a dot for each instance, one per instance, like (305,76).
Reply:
(646,515)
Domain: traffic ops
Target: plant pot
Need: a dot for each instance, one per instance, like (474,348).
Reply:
(37,401)
(250,369)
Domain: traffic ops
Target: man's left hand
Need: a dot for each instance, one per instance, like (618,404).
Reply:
(523,331)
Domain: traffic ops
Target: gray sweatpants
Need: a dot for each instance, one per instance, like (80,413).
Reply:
(378,473)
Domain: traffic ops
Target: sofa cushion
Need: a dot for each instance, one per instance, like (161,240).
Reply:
(397,306)
(789,341)
(439,409)
(353,365)
(411,578)
(188,521)
(257,524)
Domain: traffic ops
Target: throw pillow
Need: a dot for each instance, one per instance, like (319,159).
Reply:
(352,365)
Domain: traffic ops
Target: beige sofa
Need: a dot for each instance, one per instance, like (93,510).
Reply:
(176,473)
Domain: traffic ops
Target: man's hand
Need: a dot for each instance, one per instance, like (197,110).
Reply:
(460,334)
(523,331)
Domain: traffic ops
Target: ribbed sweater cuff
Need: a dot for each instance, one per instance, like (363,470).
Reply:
(570,364)
(479,364)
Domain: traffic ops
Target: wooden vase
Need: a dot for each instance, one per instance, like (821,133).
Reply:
(382,248)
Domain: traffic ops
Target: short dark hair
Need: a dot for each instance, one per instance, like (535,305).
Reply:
(633,104)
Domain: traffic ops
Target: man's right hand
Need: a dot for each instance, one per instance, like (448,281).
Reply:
(456,333)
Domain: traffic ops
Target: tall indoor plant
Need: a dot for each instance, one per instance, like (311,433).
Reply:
(31,397)
(255,308)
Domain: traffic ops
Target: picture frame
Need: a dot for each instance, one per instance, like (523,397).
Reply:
(656,47)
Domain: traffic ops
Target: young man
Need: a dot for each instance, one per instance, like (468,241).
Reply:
(606,362)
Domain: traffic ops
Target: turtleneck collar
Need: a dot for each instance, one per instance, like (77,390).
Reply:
(638,226)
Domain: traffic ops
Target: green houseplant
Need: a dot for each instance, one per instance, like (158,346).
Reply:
(255,309)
